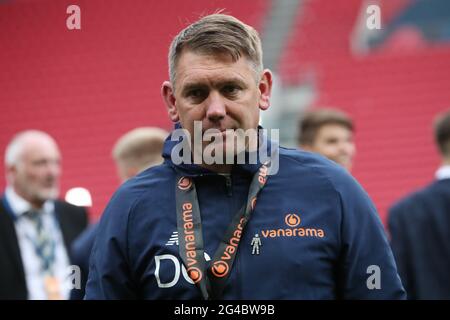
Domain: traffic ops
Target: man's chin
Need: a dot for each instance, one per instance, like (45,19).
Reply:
(48,195)
(347,165)
(222,151)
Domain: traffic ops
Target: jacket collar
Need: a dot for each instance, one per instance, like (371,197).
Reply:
(18,206)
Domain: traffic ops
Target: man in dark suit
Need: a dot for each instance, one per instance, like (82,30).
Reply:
(420,229)
(36,230)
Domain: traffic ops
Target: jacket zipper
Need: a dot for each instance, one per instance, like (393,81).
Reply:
(228,185)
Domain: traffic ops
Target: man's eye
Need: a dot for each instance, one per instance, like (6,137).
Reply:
(196,94)
(231,90)
(40,163)
(331,141)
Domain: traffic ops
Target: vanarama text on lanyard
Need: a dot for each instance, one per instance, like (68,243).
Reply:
(211,278)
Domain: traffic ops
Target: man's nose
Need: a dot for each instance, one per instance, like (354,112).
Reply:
(54,169)
(216,108)
(346,147)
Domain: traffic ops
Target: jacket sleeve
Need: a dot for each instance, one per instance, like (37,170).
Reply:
(109,271)
(367,268)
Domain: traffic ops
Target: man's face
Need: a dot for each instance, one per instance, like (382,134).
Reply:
(35,177)
(218,92)
(336,143)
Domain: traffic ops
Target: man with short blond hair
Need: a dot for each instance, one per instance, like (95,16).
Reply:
(137,150)
(185,230)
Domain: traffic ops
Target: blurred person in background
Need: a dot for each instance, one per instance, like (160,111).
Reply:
(36,229)
(135,151)
(419,225)
(328,132)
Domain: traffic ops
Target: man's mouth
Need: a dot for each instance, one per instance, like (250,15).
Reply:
(213,132)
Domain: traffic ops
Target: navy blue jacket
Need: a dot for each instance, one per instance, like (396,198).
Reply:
(420,237)
(329,255)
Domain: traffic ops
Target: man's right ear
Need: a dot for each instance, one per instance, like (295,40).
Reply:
(10,173)
(169,99)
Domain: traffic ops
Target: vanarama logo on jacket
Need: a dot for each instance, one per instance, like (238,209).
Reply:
(292,221)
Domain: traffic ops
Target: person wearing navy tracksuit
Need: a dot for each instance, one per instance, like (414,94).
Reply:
(186,231)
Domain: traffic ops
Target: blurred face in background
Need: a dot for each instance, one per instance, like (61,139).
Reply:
(124,171)
(36,171)
(127,170)
(335,142)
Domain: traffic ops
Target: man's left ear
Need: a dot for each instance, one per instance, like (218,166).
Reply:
(265,89)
